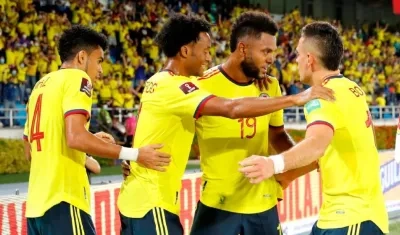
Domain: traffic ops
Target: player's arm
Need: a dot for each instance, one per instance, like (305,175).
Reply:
(27,145)
(319,134)
(308,151)
(281,141)
(92,165)
(252,107)
(76,105)
(80,139)
(27,150)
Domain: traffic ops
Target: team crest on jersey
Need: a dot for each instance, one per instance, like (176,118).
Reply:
(188,87)
(264,95)
(86,87)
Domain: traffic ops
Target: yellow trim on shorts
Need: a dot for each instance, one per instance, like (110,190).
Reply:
(71,210)
(77,226)
(354,229)
(160,221)
(78,213)
(358,228)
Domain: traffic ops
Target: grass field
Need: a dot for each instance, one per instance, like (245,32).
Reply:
(395,228)
(112,170)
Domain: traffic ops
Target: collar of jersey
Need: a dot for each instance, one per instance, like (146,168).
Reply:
(334,76)
(231,79)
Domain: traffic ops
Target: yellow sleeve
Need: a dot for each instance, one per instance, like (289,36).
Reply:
(322,112)
(77,96)
(277,117)
(187,99)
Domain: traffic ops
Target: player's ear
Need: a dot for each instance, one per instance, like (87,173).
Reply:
(82,57)
(184,52)
(311,60)
(241,47)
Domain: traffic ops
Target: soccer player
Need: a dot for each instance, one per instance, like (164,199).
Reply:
(339,136)
(148,200)
(229,204)
(57,138)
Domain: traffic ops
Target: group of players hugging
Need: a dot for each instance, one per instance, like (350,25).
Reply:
(235,109)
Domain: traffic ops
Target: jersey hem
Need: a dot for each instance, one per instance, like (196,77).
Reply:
(272,126)
(247,212)
(30,213)
(201,105)
(319,122)
(77,111)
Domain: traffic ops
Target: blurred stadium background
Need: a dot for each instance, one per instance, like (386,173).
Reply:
(29,31)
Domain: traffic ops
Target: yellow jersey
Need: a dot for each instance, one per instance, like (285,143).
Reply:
(350,167)
(225,142)
(169,106)
(57,172)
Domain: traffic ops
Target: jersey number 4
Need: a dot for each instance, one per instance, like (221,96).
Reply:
(248,127)
(35,133)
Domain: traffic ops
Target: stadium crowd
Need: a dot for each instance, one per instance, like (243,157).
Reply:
(29,32)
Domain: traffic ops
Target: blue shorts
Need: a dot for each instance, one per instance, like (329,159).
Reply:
(363,228)
(156,222)
(208,220)
(62,219)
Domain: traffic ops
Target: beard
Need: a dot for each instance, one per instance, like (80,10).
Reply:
(250,69)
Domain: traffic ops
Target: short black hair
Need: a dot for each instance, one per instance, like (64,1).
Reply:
(178,31)
(328,42)
(251,23)
(79,38)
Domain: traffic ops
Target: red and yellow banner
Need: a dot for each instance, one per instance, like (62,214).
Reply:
(298,211)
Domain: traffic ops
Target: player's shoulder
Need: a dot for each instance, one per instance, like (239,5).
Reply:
(273,86)
(337,82)
(70,73)
(210,75)
(319,104)
(274,82)
(165,82)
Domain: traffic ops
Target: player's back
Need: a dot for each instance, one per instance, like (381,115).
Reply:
(350,168)
(168,109)
(57,171)
(225,142)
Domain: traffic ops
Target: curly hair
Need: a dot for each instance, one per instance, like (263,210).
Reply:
(79,38)
(178,31)
(252,24)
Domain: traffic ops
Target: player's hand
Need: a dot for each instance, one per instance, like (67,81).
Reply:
(257,168)
(105,137)
(150,158)
(314,92)
(263,83)
(126,169)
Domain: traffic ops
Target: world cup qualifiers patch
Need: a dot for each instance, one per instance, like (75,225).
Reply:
(312,105)
(188,87)
(86,87)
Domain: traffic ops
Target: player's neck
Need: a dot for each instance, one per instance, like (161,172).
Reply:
(176,67)
(233,68)
(69,65)
(320,76)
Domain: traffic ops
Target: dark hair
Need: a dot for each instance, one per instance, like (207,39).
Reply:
(79,38)
(252,23)
(178,31)
(328,42)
